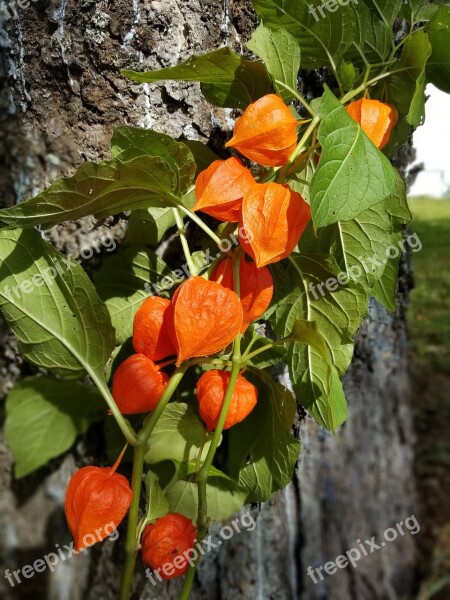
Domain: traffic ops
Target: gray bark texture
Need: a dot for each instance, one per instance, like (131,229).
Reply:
(62,95)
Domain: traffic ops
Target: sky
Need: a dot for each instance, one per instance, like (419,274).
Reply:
(432,143)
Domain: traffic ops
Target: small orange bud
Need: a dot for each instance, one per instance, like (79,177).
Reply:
(375,118)
(256,287)
(150,331)
(138,385)
(266,132)
(211,389)
(97,499)
(273,218)
(221,187)
(206,318)
(167,540)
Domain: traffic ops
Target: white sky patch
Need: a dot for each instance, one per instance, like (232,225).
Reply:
(432,142)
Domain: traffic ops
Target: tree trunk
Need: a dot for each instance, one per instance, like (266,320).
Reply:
(61,99)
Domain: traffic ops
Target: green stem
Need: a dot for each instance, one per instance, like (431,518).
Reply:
(296,95)
(174,381)
(202,475)
(201,224)
(125,427)
(131,542)
(187,253)
(367,84)
(132,539)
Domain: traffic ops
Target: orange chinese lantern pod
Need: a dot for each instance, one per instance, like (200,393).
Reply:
(256,287)
(375,118)
(138,385)
(211,389)
(150,331)
(97,499)
(206,318)
(273,219)
(266,132)
(165,545)
(221,187)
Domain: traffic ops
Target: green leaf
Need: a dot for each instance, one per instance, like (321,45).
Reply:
(203,155)
(178,436)
(262,451)
(147,227)
(385,10)
(307,288)
(397,204)
(52,306)
(125,280)
(353,174)
(227,79)
(44,416)
(269,357)
(360,245)
(157,504)
(438,67)
(407,88)
(129,143)
(324,35)
(102,189)
(347,74)
(385,288)
(224,498)
(280,52)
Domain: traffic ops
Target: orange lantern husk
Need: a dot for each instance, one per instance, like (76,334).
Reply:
(211,389)
(206,318)
(166,543)
(256,287)
(138,385)
(97,499)
(220,189)
(272,221)
(376,119)
(266,132)
(150,332)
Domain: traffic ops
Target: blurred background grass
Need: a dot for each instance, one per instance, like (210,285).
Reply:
(429,325)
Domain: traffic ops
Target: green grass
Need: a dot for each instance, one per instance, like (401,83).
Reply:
(429,311)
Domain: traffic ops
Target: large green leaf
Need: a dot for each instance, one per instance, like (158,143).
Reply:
(129,143)
(43,418)
(147,227)
(262,451)
(224,498)
(227,79)
(438,67)
(323,35)
(307,288)
(407,87)
(203,155)
(102,189)
(360,245)
(178,436)
(385,10)
(125,280)
(280,52)
(157,504)
(353,174)
(52,306)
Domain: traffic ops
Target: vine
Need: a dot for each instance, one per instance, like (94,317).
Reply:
(301,199)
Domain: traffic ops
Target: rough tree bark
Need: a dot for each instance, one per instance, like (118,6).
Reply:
(62,96)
